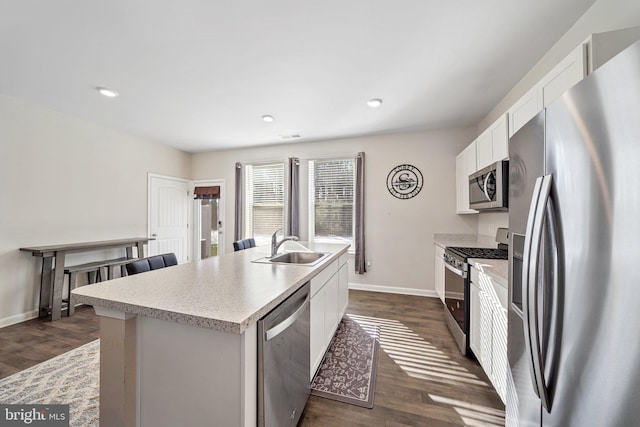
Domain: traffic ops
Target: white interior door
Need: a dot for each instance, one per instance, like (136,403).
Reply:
(169,216)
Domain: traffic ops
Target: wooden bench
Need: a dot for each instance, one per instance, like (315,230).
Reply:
(53,265)
(94,275)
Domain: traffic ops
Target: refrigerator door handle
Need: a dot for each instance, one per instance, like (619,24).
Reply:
(539,203)
(526,262)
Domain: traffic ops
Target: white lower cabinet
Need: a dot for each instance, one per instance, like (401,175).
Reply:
(439,272)
(343,285)
(317,341)
(329,300)
(474,323)
(488,329)
(331,308)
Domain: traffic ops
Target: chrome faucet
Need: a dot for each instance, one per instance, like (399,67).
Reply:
(275,244)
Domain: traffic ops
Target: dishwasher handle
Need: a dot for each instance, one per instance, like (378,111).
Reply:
(282,326)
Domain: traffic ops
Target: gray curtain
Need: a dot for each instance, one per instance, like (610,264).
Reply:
(361,265)
(293,198)
(237,232)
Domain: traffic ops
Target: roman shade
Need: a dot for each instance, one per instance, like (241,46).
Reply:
(207,193)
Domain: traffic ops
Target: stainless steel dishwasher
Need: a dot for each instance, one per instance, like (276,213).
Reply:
(283,361)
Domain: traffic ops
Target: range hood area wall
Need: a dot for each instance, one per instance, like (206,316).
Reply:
(489,222)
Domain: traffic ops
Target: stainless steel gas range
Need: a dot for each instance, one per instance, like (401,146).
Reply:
(457,287)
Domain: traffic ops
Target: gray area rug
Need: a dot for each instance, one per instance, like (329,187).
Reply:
(71,378)
(347,374)
(348,371)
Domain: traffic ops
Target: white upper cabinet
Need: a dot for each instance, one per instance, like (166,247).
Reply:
(493,144)
(465,166)
(562,77)
(604,46)
(524,109)
(484,151)
(583,60)
(567,73)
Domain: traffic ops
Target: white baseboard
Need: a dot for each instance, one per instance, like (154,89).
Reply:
(17,318)
(393,290)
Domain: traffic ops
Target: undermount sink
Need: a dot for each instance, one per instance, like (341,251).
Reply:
(300,258)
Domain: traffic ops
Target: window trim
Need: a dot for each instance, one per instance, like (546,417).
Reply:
(311,201)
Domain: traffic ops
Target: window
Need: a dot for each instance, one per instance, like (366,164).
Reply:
(331,199)
(264,201)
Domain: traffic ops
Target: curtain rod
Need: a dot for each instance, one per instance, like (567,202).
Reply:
(284,160)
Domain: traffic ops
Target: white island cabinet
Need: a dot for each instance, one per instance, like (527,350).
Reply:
(329,299)
(179,345)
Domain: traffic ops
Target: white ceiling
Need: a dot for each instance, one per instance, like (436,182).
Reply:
(198,74)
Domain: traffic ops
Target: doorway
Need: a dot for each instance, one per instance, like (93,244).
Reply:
(208,212)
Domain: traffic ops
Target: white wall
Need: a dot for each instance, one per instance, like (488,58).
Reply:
(602,16)
(66,180)
(489,222)
(399,233)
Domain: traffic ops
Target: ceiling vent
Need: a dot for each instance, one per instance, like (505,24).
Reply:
(292,136)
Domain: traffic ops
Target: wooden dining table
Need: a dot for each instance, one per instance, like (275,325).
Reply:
(53,264)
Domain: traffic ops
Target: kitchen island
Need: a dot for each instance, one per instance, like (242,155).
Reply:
(179,345)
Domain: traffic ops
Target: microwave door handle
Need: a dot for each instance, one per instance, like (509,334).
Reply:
(526,265)
(484,186)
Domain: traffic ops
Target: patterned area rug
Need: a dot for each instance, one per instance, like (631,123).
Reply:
(348,371)
(71,378)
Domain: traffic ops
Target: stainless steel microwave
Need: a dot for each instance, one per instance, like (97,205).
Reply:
(489,187)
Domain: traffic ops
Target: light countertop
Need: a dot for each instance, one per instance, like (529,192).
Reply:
(227,293)
(496,269)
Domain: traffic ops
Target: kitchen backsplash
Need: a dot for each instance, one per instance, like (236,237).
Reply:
(489,222)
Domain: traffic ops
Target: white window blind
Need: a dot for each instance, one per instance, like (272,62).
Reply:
(331,199)
(264,201)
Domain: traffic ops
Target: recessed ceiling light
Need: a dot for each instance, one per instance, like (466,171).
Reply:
(107,92)
(267,118)
(374,102)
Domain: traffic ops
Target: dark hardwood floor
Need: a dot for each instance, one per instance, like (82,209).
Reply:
(28,343)
(422,379)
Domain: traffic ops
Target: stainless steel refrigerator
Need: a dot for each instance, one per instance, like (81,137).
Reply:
(574,256)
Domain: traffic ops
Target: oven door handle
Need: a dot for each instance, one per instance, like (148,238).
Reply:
(457,271)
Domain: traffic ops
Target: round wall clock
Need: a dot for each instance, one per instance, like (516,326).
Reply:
(404,181)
